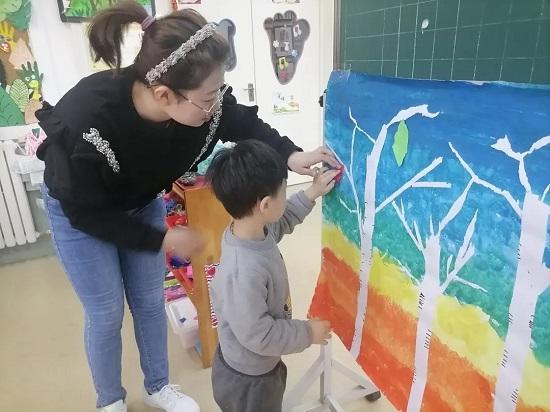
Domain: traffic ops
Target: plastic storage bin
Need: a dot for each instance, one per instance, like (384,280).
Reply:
(183,319)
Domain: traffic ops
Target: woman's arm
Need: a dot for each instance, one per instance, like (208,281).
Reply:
(241,122)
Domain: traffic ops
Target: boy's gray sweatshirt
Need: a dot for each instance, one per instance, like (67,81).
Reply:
(251,297)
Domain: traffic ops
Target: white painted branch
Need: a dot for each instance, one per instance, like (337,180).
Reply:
(418,236)
(546,277)
(347,207)
(433,185)
(410,112)
(401,215)
(545,193)
(523,179)
(539,144)
(507,195)
(449,263)
(436,162)
(352,152)
(358,127)
(503,145)
(472,285)
(352,184)
(464,254)
(407,272)
(456,207)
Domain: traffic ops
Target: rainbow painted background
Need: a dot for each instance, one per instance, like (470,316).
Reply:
(471,319)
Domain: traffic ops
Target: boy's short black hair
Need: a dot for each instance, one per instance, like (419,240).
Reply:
(244,174)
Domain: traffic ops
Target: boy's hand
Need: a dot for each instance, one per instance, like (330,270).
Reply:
(183,242)
(320,330)
(323,183)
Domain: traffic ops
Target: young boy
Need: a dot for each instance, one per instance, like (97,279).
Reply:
(250,292)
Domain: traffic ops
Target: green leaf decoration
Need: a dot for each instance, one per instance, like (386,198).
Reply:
(19,92)
(401,143)
(21,18)
(10,115)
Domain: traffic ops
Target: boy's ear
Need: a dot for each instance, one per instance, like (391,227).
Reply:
(264,204)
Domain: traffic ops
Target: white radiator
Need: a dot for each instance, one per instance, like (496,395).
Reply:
(16,222)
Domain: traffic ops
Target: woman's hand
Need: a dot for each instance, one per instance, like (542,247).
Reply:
(301,162)
(183,242)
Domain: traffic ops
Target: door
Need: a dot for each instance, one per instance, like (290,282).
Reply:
(302,89)
(236,12)
(292,108)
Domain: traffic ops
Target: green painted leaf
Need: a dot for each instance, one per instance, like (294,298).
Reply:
(10,115)
(21,18)
(401,143)
(19,92)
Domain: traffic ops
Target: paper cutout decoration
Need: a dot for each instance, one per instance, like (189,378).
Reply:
(287,36)
(9,7)
(227,29)
(20,78)
(283,103)
(81,10)
(436,274)
(401,143)
(20,54)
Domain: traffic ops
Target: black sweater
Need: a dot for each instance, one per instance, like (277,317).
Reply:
(98,187)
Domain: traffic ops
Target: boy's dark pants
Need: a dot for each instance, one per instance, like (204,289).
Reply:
(237,392)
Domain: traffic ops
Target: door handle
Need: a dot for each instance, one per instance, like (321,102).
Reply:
(250,89)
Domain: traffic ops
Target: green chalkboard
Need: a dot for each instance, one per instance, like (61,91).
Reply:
(505,40)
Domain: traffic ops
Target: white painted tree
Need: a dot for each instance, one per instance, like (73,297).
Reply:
(532,275)
(366,216)
(430,287)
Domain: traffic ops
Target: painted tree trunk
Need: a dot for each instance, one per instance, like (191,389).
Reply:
(367,225)
(532,279)
(427,304)
(367,233)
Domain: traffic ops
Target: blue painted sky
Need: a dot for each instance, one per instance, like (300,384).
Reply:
(472,117)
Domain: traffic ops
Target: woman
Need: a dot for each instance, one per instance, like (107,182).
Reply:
(115,141)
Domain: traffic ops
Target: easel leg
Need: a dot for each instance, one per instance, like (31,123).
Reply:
(322,368)
(326,375)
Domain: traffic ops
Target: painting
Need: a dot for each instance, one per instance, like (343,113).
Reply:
(435,266)
(284,103)
(287,36)
(81,10)
(20,79)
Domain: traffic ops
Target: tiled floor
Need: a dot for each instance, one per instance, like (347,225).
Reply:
(42,361)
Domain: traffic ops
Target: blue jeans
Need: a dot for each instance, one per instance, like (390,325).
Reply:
(101,273)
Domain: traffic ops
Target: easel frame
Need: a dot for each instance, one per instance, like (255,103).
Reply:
(322,369)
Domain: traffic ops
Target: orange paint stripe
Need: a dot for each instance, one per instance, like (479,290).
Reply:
(453,384)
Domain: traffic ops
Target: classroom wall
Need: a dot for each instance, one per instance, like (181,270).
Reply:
(61,51)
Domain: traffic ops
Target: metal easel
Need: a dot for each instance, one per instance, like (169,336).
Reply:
(322,369)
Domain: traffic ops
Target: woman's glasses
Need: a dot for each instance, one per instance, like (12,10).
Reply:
(215,105)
